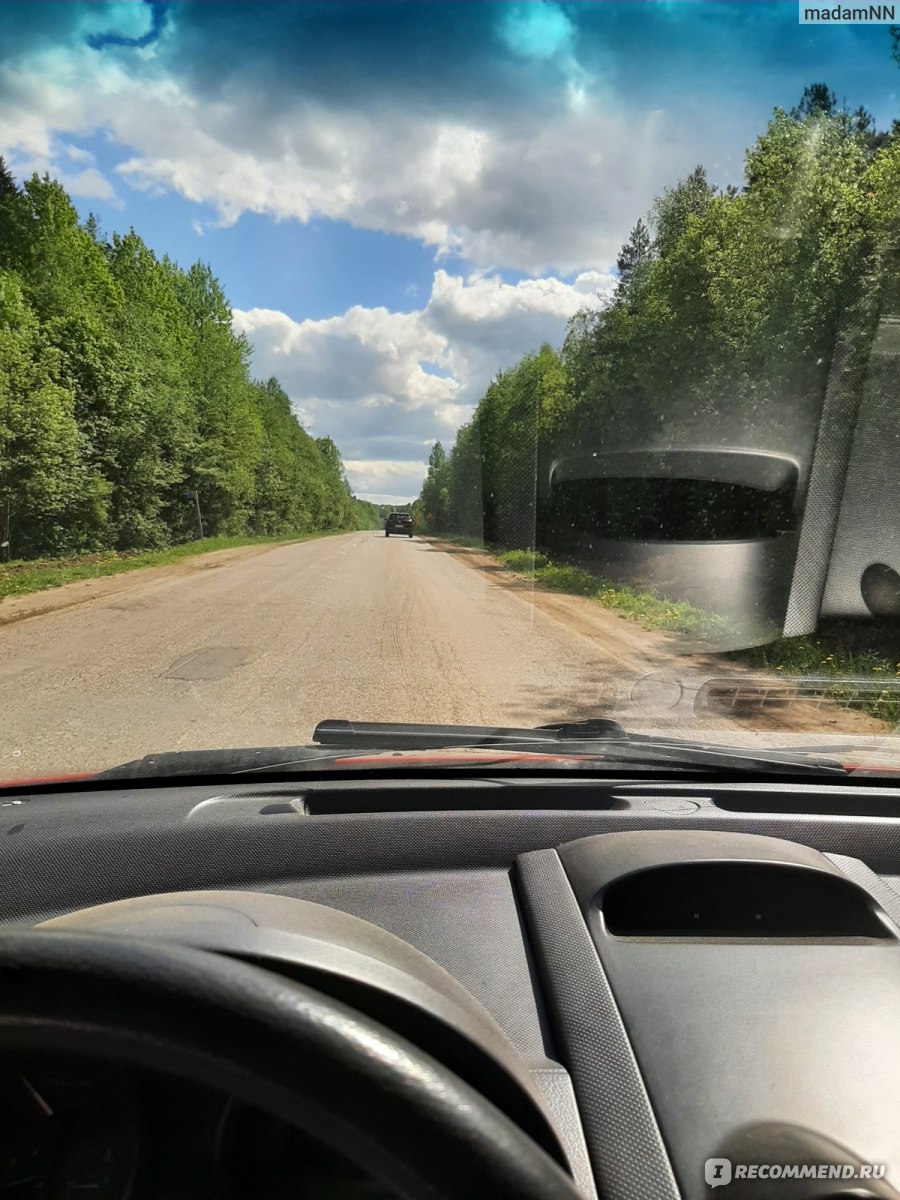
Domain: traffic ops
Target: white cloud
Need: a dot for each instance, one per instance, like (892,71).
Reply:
(78,155)
(383,498)
(516,196)
(386,482)
(41,104)
(365,351)
(387,385)
(508,189)
(89,184)
(488,324)
(540,193)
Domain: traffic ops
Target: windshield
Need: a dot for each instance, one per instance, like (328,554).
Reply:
(490,364)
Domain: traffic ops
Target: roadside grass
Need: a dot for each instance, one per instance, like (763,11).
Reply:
(20,577)
(821,656)
(856,655)
(653,612)
(523,560)
(858,670)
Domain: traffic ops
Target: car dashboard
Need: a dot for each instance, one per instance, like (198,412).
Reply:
(649,976)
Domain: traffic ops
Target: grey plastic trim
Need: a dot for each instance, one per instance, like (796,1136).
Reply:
(741,1040)
(592,863)
(824,493)
(865,877)
(64,852)
(627,1151)
(555,1084)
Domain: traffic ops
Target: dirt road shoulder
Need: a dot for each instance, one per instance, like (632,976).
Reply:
(82,591)
(667,672)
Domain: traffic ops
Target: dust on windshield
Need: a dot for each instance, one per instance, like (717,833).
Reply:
(463,363)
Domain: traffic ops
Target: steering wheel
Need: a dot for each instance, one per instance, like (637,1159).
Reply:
(280,1046)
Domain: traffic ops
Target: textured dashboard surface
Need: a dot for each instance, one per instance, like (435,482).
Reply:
(879,887)
(442,881)
(625,1143)
(60,852)
(468,922)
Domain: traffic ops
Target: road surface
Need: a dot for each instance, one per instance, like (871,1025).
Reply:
(255,649)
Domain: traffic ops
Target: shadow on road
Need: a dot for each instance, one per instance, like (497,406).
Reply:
(479,560)
(588,696)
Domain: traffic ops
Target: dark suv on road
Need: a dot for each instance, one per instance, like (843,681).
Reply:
(398,523)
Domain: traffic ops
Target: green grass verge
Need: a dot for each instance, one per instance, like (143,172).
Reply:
(820,656)
(831,655)
(653,612)
(18,578)
(526,561)
(828,656)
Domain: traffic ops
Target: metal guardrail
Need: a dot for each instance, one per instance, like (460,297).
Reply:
(748,695)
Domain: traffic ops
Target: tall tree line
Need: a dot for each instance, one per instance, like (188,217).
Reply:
(127,402)
(740,302)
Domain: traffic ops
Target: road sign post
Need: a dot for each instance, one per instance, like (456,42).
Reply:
(199,517)
(194,495)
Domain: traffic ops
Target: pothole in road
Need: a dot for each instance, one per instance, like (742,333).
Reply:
(210,662)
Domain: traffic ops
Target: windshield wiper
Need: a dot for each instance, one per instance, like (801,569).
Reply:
(598,737)
(354,735)
(390,735)
(576,745)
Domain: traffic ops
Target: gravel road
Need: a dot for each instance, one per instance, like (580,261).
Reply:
(253,649)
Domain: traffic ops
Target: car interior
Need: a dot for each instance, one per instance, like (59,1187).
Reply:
(519,985)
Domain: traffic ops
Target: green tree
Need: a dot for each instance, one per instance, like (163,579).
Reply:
(125,390)
(223,460)
(157,425)
(8,188)
(678,205)
(47,491)
(817,100)
(732,324)
(435,491)
(635,252)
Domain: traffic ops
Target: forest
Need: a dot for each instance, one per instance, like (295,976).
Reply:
(735,303)
(128,412)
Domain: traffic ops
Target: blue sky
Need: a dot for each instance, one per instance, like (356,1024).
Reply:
(401,199)
(312,269)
